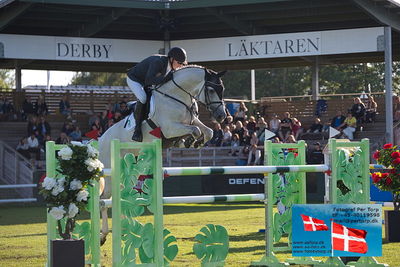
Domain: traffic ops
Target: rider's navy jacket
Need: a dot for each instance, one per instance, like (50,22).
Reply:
(150,71)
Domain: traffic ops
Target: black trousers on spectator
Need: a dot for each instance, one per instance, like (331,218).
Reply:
(35,150)
(25,153)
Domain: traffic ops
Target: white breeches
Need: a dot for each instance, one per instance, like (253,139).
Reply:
(137,90)
(349,132)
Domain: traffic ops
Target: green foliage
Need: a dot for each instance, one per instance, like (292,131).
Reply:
(99,78)
(6,79)
(212,243)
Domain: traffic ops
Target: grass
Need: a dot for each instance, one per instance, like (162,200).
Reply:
(23,234)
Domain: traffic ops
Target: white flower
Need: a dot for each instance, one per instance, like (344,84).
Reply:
(59,187)
(93,164)
(49,183)
(72,210)
(57,212)
(75,185)
(75,143)
(65,153)
(92,152)
(82,195)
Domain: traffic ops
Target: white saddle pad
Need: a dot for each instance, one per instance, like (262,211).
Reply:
(129,121)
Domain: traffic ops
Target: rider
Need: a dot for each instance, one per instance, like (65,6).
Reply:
(148,73)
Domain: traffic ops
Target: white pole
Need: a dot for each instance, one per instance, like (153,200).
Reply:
(253,85)
(48,81)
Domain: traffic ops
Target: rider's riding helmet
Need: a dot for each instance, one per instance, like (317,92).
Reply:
(179,54)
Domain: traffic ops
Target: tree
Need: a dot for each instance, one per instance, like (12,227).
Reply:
(99,78)
(6,79)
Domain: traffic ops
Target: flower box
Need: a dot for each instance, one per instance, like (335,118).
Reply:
(67,253)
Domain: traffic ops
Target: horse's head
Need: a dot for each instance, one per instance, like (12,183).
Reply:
(213,94)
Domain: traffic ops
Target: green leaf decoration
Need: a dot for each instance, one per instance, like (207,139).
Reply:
(170,250)
(212,244)
(83,231)
(131,236)
(147,195)
(148,240)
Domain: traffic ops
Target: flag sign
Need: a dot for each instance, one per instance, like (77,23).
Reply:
(348,239)
(337,230)
(312,224)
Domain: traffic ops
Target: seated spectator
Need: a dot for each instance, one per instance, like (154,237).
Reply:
(297,130)
(370,110)
(276,140)
(27,108)
(94,116)
(251,125)
(337,121)
(33,144)
(235,144)
(103,120)
(396,108)
(33,125)
(254,155)
(227,122)
(315,154)
(124,110)
(109,124)
(41,106)
(349,126)
(240,114)
(290,139)
(44,127)
(117,105)
(76,134)
(274,124)
(358,109)
(23,148)
(260,129)
(245,141)
(217,137)
(285,128)
(239,129)
(62,139)
(94,133)
(226,139)
(7,108)
(117,117)
(316,127)
(65,106)
(67,128)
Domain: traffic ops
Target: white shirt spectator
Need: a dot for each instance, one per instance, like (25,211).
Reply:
(33,142)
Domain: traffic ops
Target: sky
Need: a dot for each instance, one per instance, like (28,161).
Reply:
(39,77)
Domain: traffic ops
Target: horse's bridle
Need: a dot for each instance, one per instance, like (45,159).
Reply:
(196,98)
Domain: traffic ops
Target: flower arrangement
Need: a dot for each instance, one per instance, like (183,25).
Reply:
(389,156)
(66,194)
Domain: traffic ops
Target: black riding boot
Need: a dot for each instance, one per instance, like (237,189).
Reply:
(139,117)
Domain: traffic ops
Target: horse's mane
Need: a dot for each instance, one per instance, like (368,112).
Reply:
(191,66)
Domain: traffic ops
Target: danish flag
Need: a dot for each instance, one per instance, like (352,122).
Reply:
(348,239)
(312,224)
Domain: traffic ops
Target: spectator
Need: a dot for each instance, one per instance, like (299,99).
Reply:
(245,141)
(103,120)
(44,127)
(7,109)
(240,114)
(239,129)
(94,132)
(117,106)
(254,155)
(251,125)
(260,129)
(95,116)
(297,130)
(285,127)
(276,140)
(33,125)
(274,124)
(217,137)
(27,108)
(67,128)
(23,148)
(227,122)
(316,127)
(117,117)
(109,124)
(235,144)
(358,109)
(62,139)
(290,139)
(226,139)
(338,120)
(123,109)
(65,107)
(76,134)
(33,144)
(370,111)
(349,126)
(315,155)
(41,106)
(396,108)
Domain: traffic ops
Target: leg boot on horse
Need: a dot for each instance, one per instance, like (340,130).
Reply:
(139,115)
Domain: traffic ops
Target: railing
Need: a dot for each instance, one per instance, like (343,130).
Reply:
(16,176)
(310,97)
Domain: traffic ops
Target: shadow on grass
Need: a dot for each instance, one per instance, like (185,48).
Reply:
(247,237)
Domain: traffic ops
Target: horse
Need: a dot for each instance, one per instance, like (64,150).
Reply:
(173,110)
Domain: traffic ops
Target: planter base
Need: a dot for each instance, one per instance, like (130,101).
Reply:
(392,229)
(67,253)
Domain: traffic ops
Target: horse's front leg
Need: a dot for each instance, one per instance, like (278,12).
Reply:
(179,129)
(207,133)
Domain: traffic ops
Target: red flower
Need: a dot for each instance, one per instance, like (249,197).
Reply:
(396,161)
(376,177)
(387,146)
(384,175)
(393,171)
(388,181)
(376,155)
(395,155)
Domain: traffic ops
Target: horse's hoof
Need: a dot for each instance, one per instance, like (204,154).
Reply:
(189,141)
(103,240)
(197,144)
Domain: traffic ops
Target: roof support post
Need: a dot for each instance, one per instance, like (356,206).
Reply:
(388,85)
(315,79)
(18,84)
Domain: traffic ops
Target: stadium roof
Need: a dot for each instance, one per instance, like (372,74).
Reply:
(194,19)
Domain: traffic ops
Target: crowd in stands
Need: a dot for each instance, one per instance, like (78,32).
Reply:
(241,132)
